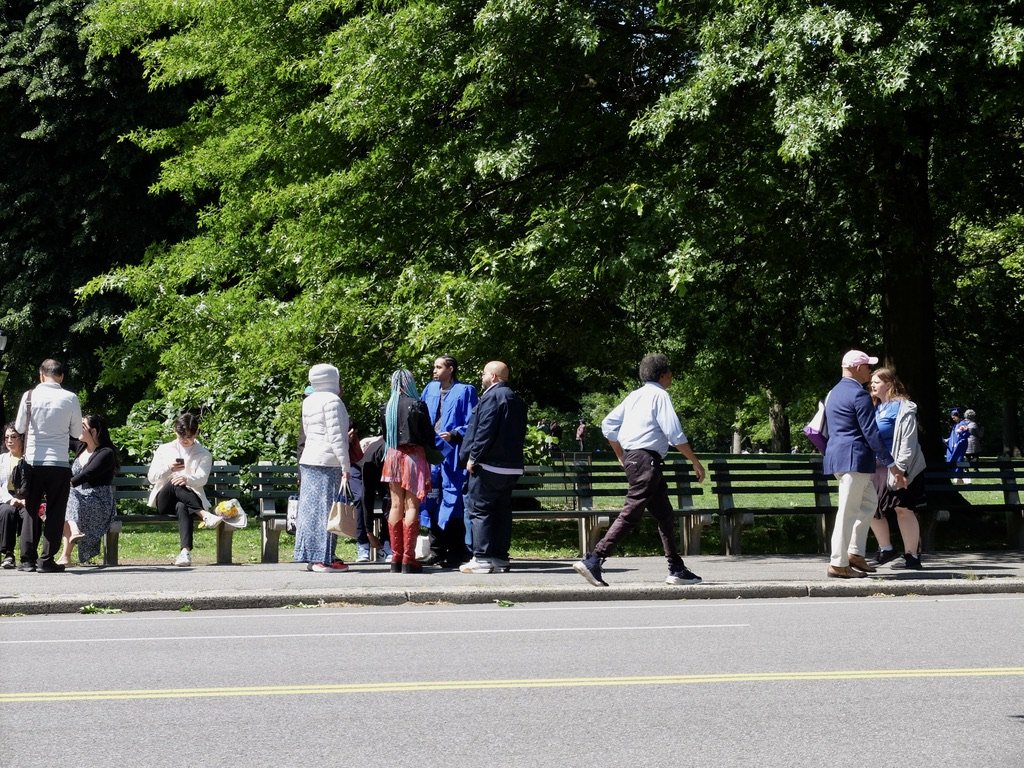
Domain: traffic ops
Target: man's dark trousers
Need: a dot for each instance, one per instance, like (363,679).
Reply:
(489,503)
(55,484)
(647,490)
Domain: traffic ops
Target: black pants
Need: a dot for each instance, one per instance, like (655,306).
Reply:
(54,483)
(647,490)
(10,524)
(373,489)
(489,502)
(448,544)
(182,501)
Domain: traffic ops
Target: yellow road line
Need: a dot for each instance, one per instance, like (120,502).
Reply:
(464,685)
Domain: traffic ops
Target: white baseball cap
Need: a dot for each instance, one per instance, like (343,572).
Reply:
(855,357)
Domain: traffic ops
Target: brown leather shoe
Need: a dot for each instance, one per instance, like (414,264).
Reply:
(858,562)
(845,572)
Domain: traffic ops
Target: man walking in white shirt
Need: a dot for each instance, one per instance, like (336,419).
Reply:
(48,417)
(640,430)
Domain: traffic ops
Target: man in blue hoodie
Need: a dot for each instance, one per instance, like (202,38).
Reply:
(854,447)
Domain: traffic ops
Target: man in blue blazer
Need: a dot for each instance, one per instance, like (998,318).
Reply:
(854,449)
(450,404)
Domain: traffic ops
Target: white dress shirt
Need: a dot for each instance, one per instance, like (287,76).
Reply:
(645,420)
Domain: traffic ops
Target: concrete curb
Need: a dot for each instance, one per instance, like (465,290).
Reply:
(474,594)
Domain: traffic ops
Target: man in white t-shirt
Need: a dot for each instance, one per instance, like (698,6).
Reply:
(49,417)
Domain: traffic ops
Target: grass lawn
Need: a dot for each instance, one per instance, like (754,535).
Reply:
(148,544)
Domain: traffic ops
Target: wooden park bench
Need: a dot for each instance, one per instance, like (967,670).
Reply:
(606,481)
(986,486)
(132,484)
(592,492)
(737,481)
(542,493)
(271,487)
(565,492)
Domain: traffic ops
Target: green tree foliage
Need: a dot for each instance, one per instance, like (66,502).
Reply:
(751,187)
(382,182)
(73,199)
(891,99)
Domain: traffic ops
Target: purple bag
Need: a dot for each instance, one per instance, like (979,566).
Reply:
(817,429)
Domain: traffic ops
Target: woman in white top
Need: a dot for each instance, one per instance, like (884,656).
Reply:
(323,464)
(10,506)
(178,474)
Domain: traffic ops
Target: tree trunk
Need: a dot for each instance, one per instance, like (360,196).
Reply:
(906,248)
(1011,427)
(778,419)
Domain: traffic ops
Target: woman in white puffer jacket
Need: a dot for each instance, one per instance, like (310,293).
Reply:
(323,465)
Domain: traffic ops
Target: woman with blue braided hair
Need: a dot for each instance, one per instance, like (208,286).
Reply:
(407,433)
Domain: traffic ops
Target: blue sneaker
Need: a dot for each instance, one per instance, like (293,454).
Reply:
(682,575)
(590,569)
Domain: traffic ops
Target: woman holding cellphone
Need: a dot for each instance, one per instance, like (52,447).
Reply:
(178,473)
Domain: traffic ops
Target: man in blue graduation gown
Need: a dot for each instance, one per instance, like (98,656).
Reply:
(450,404)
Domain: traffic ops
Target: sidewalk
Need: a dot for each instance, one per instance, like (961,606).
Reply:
(205,587)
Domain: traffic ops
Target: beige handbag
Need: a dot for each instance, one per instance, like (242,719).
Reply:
(342,519)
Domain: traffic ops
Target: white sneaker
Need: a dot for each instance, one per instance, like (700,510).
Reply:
(184,559)
(476,566)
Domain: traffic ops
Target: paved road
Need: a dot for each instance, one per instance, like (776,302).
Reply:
(886,681)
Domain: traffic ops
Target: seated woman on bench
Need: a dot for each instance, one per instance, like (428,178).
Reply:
(91,503)
(178,473)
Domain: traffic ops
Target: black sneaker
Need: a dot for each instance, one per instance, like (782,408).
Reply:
(590,569)
(27,567)
(682,575)
(48,566)
(910,563)
(885,556)
(8,563)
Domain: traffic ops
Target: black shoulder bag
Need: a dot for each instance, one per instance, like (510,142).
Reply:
(22,473)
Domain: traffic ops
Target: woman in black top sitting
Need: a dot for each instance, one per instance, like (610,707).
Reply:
(91,503)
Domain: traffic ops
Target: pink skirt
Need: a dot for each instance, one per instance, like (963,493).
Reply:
(407,465)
